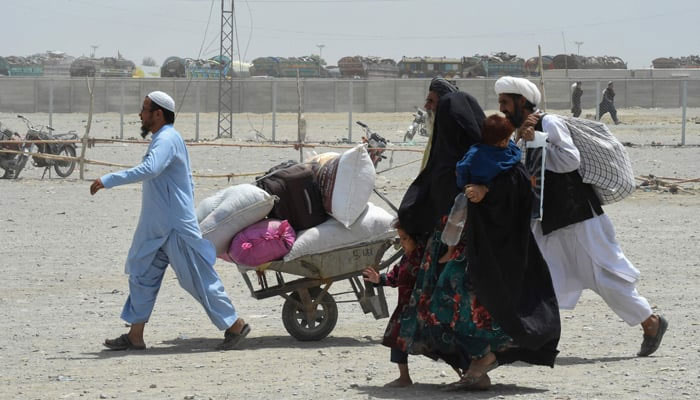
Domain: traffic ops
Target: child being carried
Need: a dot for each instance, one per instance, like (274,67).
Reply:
(484,161)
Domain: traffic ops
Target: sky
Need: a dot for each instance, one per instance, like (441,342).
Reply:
(636,31)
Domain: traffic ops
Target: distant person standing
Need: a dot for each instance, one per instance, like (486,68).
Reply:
(608,104)
(576,99)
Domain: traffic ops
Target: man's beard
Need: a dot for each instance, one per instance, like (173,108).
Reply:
(429,122)
(516,118)
(144,131)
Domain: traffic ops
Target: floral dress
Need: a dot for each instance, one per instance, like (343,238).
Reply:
(444,319)
(403,277)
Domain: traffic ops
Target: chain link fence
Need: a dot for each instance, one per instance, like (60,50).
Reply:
(651,110)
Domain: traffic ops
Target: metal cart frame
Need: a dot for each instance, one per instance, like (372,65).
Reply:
(310,311)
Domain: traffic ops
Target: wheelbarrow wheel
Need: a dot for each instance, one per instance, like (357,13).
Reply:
(323,318)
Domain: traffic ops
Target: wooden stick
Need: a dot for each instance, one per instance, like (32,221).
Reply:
(665,178)
(87,127)
(41,155)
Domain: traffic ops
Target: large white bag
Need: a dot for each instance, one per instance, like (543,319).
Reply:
(231,210)
(372,225)
(346,184)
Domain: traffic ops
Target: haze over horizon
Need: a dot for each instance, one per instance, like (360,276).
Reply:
(637,32)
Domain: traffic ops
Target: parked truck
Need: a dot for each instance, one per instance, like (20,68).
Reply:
(367,67)
(287,67)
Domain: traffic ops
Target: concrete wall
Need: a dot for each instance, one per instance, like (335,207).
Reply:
(26,95)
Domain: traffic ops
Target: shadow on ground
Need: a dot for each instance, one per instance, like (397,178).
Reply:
(434,392)
(583,360)
(205,345)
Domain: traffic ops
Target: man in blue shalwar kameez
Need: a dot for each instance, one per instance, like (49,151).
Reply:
(168,232)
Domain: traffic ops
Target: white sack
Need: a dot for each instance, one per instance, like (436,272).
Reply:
(372,225)
(231,210)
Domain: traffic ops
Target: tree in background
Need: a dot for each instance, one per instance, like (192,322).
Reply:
(149,62)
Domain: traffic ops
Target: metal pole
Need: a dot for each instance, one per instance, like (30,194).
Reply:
(396,95)
(36,95)
(274,110)
(70,96)
(105,98)
(350,112)
(335,95)
(487,85)
(198,106)
(51,103)
(597,100)
(685,101)
(121,111)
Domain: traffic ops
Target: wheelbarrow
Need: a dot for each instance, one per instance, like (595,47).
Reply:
(310,311)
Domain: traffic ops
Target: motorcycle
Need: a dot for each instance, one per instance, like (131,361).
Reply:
(14,165)
(417,126)
(375,142)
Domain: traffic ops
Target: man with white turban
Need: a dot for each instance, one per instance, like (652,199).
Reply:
(168,232)
(576,238)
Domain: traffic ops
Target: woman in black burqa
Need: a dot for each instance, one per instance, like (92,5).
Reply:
(458,120)
(493,303)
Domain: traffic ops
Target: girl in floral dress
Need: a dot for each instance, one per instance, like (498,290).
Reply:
(403,277)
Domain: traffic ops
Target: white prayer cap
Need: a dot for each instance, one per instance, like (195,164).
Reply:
(521,86)
(163,100)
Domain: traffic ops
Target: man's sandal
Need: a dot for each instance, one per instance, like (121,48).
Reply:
(651,343)
(122,343)
(232,339)
(473,382)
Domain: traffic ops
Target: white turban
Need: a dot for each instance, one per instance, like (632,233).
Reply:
(163,100)
(521,86)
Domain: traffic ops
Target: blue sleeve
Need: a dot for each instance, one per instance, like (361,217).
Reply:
(158,158)
(463,170)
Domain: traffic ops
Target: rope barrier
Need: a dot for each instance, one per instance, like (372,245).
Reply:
(296,146)
(107,164)
(93,141)
(646,180)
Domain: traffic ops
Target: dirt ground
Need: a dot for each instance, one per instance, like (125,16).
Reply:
(63,287)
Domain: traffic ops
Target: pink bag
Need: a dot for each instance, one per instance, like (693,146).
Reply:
(264,241)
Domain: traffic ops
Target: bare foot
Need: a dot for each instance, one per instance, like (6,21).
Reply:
(399,383)
(479,368)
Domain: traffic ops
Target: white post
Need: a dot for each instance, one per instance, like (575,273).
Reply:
(685,101)
(350,112)
(335,95)
(51,103)
(597,100)
(274,110)
(121,111)
(197,99)
(36,95)
(396,95)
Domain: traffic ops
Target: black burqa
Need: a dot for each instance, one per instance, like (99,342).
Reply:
(458,122)
(507,272)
